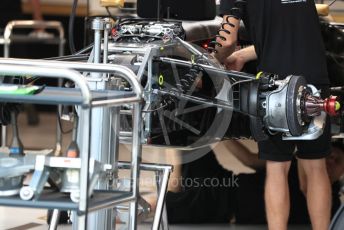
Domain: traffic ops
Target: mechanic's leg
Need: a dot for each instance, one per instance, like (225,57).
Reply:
(318,192)
(174,157)
(277,194)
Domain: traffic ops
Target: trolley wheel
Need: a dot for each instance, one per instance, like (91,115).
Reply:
(295,85)
(26,193)
(75,196)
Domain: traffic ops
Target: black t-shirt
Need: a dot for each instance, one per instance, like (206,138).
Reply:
(286,35)
(226,6)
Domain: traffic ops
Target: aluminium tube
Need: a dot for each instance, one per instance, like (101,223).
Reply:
(161,199)
(122,71)
(72,75)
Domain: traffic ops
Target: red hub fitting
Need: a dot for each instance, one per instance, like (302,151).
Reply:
(314,105)
(331,106)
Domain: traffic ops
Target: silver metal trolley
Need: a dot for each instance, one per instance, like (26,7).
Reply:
(103,142)
(86,100)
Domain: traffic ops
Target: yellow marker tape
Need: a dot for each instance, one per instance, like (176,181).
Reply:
(161,79)
(259,74)
(337,106)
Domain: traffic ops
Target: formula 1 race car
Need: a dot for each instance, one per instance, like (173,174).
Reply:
(190,99)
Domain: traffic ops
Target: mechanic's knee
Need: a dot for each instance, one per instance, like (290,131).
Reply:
(277,169)
(313,168)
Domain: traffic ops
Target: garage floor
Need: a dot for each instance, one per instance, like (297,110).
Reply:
(23,219)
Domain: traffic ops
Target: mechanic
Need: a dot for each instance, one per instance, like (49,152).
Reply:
(219,196)
(287,40)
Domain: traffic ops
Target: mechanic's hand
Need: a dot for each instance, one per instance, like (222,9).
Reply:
(237,60)
(234,62)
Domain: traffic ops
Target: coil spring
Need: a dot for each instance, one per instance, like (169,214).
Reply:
(236,12)
(188,80)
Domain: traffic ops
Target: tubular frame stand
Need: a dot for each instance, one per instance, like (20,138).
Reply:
(162,176)
(107,98)
(136,151)
(135,165)
(160,217)
(54,219)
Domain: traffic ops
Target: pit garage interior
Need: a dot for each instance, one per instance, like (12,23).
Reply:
(115,115)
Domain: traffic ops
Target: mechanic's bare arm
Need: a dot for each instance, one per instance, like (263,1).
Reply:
(228,38)
(36,10)
(244,155)
(237,60)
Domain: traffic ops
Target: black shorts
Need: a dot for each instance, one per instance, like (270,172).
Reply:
(276,149)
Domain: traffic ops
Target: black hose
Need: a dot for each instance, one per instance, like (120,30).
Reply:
(71,27)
